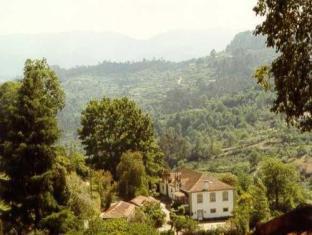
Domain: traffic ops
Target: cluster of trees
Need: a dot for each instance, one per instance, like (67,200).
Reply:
(162,87)
(205,109)
(46,188)
(239,125)
(51,189)
(111,127)
(274,189)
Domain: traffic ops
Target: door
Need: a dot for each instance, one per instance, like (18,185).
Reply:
(200,214)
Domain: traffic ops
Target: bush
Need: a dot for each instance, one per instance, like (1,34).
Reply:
(61,222)
(151,213)
(118,227)
(184,223)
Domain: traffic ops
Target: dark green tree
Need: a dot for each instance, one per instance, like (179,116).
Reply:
(287,26)
(34,186)
(131,175)
(174,146)
(111,127)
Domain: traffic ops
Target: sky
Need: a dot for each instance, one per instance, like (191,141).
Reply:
(139,19)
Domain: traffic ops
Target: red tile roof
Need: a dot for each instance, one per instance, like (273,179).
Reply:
(140,200)
(212,183)
(120,209)
(194,181)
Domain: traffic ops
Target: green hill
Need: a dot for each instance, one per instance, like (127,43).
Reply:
(206,110)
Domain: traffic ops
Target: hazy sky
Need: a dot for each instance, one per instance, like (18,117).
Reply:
(135,18)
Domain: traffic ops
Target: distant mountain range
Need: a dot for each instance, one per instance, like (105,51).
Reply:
(70,49)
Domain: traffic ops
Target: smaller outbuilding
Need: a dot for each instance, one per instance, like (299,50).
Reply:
(140,200)
(120,209)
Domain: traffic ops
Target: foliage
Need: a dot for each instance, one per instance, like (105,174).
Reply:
(77,164)
(242,213)
(82,202)
(174,146)
(111,127)
(117,227)
(61,222)
(287,26)
(73,161)
(260,206)
(183,223)
(154,213)
(35,186)
(217,231)
(161,86)
(282,182)
(229,179)
(207,112)
(102,182)
(131,175)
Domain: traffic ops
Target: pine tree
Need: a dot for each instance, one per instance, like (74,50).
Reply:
(34,186)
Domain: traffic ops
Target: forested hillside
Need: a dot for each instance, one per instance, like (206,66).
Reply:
(203,109)
(157,85)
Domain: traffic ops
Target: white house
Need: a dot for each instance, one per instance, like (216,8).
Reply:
(206,196)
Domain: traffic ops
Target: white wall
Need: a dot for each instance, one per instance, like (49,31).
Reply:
(171,191)
(206,205)
(162,188)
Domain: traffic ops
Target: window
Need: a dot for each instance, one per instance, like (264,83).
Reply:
(225,196)
(212,197)
(199,198)
(225,209)
(213,210)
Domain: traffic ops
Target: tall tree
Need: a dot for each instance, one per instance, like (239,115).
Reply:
(260,206)
(242,213)
(111,127)
(131,175)
(287,26)
(34,187)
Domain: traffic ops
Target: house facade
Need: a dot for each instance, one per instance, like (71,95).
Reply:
(206,196)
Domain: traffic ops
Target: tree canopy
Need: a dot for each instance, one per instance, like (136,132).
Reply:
(131,175)
(111,127)
(287,26)
(282,182)
(34,186)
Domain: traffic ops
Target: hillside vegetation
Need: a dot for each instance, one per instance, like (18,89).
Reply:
(203,109)
(206,113)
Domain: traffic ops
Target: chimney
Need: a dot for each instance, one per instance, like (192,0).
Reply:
(206,185)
